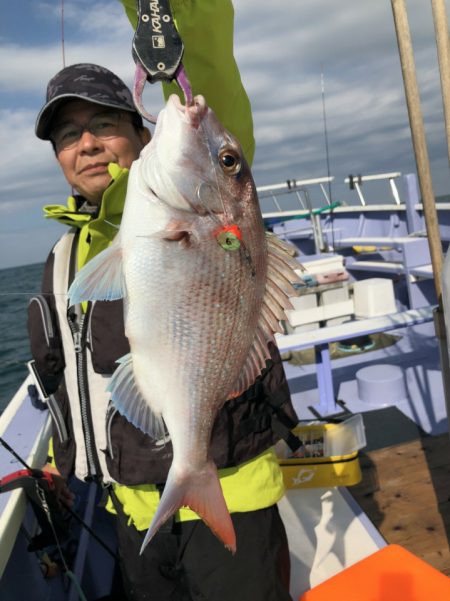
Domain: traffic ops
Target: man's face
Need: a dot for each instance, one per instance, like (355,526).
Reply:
(85,165)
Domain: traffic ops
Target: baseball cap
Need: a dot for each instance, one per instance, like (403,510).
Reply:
(85,81)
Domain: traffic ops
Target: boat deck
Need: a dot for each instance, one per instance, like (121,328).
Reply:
(405,491)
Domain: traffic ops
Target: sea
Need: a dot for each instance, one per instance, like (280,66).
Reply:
(17,286)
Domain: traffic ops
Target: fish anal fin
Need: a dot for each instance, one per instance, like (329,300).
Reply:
(101,278)
(199,490)
(129,401)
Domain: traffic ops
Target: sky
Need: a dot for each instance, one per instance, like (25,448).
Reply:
(281,49)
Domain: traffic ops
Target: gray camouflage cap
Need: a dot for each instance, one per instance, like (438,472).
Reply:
(87,82)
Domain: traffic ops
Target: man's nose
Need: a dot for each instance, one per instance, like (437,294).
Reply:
(88,141)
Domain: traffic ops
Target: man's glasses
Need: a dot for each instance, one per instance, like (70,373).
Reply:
(102,126)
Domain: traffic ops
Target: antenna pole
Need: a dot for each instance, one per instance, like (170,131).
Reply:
(322,84)
(62,35)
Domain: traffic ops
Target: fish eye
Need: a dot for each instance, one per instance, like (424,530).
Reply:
(230,161)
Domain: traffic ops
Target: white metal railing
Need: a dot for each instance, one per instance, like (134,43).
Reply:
(296,187)
(299,188)
(356,181)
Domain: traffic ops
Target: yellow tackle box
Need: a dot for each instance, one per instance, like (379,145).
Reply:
(315,469)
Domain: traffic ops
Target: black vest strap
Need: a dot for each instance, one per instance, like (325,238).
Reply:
(293,442)
(273,416)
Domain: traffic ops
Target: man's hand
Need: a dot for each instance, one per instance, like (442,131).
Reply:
(64,495)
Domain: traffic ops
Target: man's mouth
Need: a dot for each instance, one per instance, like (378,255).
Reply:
(94,168)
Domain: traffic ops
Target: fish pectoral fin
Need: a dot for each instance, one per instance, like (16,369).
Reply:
(175,230)
(101,278)
(129,401)
(202,492)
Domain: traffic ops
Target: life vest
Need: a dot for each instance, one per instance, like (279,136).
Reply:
(75,356)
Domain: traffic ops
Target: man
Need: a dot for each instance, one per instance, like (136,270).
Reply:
(96,133)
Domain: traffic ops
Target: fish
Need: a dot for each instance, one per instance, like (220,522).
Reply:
(204,289)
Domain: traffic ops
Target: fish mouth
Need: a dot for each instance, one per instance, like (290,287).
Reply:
(193,113)
(170,154)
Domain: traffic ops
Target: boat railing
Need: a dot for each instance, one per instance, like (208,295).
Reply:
(298,188)
(301,190)
(355,183)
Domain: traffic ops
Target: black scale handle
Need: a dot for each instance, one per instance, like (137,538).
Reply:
(156,43)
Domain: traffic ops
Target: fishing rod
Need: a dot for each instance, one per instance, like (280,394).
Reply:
(15,455)
(46,481)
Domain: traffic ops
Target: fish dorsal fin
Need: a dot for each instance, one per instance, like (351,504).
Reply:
(281,274)
(129,402)
(101,278)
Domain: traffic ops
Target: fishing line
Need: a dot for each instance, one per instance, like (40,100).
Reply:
(114,225)
(32,293)
(73,513)
(203,130)
(63,49)
(204,204)
(43,500)
(228,218)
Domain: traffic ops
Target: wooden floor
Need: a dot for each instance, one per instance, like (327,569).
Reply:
(405,491)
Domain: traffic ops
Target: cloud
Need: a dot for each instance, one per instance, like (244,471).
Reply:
(28,166)
(281,55)
(84,18)
(29,244)
(281,48)
(95,32)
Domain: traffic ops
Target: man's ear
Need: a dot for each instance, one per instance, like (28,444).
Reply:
(145,135)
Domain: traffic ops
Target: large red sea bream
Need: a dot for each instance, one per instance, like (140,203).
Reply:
(204,288)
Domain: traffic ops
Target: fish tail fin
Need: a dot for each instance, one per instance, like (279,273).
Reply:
(201,492)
